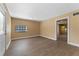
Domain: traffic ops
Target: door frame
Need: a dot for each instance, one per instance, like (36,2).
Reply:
(67,27)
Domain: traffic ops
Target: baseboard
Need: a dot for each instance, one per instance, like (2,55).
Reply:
(77,45)
(48,37)
(8,45)
(25,37)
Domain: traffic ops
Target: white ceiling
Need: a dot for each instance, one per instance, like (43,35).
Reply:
(40,11)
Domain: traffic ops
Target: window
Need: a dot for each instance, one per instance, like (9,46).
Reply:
(1,22)
(21,28)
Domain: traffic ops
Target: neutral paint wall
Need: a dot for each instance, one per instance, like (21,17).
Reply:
(8,25)
(48,27)
(33,28)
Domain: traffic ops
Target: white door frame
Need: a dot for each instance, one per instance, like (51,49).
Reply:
(67,27)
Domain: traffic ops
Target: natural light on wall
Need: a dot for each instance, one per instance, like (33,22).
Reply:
(1,22)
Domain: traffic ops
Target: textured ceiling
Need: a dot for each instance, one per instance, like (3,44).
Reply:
(40,11)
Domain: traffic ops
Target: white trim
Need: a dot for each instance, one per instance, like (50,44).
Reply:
(8,45)
(25,37)
(77,45)
(67,27)
(48,37)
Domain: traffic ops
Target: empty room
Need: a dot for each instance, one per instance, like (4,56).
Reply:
(39,29)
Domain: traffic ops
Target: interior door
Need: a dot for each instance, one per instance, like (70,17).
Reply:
(62,28)
(2,33)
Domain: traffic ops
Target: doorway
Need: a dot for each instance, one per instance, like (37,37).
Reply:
(62,30)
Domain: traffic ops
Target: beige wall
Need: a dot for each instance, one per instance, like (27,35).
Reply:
(48,27)
(33,28)
(8,24)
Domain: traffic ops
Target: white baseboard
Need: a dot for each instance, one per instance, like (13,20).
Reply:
(48,37)
(25,37)
(8,45)
(77,45)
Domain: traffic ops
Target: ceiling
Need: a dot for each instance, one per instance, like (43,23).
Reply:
(39,11)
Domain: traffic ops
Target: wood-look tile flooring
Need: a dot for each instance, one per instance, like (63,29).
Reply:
(39,46)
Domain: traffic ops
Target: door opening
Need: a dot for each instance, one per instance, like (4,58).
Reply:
(62,30)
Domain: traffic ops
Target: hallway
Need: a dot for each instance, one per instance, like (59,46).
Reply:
(39,46)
